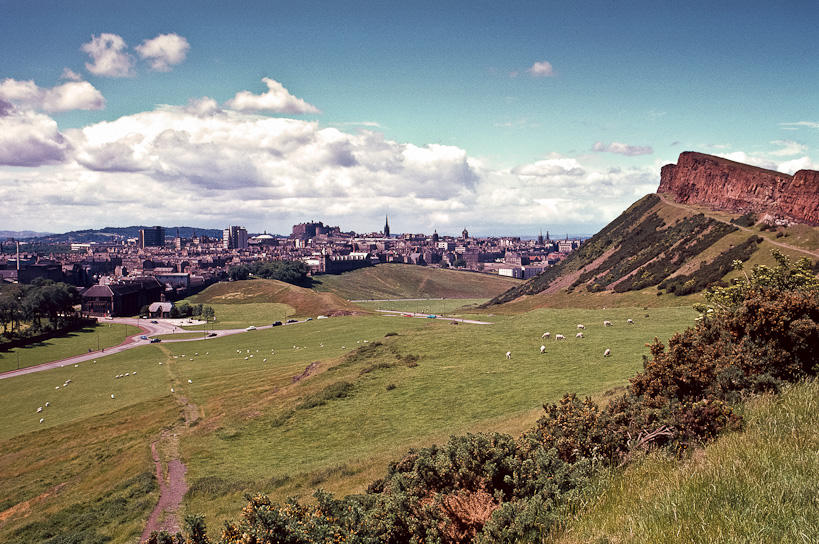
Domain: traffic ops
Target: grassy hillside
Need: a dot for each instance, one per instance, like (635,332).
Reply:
(659,247)
(399,281)
(244,423)
(300,301)
(759,485)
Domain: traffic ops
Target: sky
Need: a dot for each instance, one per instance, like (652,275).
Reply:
(504,118)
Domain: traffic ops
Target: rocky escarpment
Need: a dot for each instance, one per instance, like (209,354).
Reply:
(726,185)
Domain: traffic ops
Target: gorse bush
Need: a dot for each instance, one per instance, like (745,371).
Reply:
(754,335)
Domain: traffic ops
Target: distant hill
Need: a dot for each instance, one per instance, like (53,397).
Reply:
(21,234)
(403,281)
(108,234)
(304,301)
(683,241)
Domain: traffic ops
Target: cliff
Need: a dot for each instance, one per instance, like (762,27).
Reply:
(726,185)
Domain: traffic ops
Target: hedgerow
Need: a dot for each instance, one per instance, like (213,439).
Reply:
(753,336)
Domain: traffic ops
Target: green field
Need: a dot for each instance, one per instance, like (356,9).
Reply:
(102,335)
(251,427)
(437,306)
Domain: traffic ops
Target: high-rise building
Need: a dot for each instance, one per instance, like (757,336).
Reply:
(153,237)
(234,238)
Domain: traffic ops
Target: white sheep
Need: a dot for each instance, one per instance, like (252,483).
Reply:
(543,349)
(581,327)
(607,323)
(112,396)
(508,354)
(40,409)
(630,321)
(607,353)
(47,405)
(546,335)
(579,335)
(559,337)
(189,381)
(41,420)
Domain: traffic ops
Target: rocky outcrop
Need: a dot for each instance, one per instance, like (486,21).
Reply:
(726,185)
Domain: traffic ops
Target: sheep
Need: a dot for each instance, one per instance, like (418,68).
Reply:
(245,358)
(546,335)
(47,404)
(581,327)
(630,321)
(559,337)
(607,324)
(41,420)
(579,335)
(543,349)
(112,396)
(508,354)
(40,409)
(607,353)
(264,360)
(189,381)
(171,389)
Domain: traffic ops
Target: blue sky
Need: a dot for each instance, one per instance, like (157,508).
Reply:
(505,118)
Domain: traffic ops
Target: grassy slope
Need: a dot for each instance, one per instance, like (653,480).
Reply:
(248,439)
(74,343)
(398,281)
(759,485)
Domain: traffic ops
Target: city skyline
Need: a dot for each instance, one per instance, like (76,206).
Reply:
(505,119)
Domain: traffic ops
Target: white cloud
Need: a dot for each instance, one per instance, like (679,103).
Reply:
(30,139)
(109,56)
(220,167)
(164,51)
(788,148)
(277,99)
(541,69)
(753,160)
(795,126)
(793,166)
(622,149)
(74,95)
(70,75)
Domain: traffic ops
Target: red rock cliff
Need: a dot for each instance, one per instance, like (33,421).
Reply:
(732,186)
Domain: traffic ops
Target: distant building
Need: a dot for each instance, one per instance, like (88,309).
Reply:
(234,238)
(153,237)
(387,227)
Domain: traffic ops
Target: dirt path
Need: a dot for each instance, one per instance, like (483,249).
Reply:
(170,470)
(670,202)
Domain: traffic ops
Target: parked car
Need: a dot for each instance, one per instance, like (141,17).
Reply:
(309,319)
(211,334)
(251,328)
(143,337)
(291,321)
(276,323)
(155,340)
(154,321)
(322,317)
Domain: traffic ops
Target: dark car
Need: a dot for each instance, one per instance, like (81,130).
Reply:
(276,323)
(154,321)
(155,340)
(291,321)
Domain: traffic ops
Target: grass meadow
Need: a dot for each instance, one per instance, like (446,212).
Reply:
(102,335)
(255,428)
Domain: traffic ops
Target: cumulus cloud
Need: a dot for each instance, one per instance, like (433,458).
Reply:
(799,124)
(70,75)
(277,100)
(793,166)
(226,167)
(753,160)
(164,51)
(622,149)
(107,51)
(30,139)
(74,95)
(541,69)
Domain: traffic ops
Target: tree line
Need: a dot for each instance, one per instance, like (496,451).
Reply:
(295,272)
(39,307)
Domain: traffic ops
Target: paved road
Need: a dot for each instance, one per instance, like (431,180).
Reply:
(145,328)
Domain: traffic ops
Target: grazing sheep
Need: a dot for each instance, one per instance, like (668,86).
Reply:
(189,381)
(546,335)
(112,396)
(264,360)
(607,353)
(508,354)
(171,389)
(607,324)
(579,335)
(47,405)
(581,327)
(543,349)
(559,337)
(630,321)
(245,358)
(40,409)
(41,420)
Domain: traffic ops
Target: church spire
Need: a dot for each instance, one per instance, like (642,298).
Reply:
(387,227)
